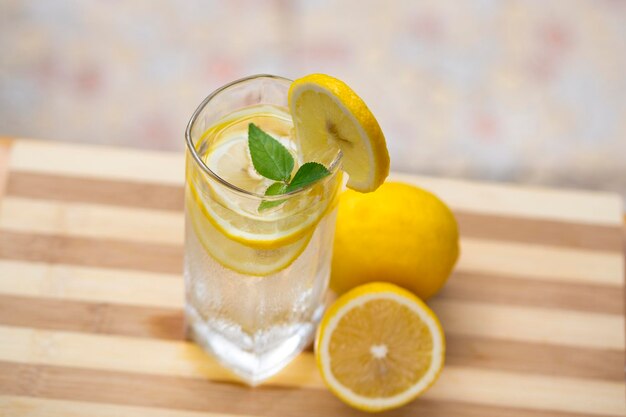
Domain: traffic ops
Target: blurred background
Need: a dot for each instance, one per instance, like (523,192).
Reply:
(516,91)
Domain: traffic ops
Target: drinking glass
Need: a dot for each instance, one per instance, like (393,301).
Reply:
(255,279)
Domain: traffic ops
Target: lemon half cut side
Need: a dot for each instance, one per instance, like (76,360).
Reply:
(379,347)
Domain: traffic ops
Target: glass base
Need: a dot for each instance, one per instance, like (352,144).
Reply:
(252,366)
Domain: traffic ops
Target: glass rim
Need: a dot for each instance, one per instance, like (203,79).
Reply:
(333,168)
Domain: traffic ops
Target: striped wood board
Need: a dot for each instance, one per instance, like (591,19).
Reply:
(91,296)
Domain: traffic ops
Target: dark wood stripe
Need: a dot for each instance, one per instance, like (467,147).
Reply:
(167,324)
(170,197)
(624,271)
(538,231)
(86,317)
(535,358)
(465,286)
(91,252)
(5,153)
(95,191)
(168,259)
(133,389)
(498,289)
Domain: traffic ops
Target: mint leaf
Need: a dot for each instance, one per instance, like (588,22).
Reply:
(275,189)
(308,173)
(272,160)
(269,157)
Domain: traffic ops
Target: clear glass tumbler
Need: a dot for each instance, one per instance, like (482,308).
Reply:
(255,279)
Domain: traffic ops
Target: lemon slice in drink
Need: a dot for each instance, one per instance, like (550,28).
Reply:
(238,218)
(228,222)
(379,346)
(233,254)
(328,116)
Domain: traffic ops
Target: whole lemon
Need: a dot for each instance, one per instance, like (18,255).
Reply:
(400,234)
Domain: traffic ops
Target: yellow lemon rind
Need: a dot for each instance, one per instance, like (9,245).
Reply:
(354,107)
(416,233)
(360,295)
(255,240)
(256,269)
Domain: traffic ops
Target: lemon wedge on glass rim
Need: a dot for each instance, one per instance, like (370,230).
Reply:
(329,116)
(379,346)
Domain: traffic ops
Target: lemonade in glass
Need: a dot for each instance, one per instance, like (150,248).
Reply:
(265,158)
(256,265)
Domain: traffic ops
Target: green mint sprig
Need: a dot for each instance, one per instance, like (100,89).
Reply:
(272,160)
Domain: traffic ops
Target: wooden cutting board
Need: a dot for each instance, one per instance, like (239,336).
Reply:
(91,296)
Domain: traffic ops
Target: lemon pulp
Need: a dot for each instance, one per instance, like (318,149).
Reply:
(329,116)
(379,347)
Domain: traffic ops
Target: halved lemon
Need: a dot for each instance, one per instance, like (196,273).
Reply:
(379,346)
(329,116)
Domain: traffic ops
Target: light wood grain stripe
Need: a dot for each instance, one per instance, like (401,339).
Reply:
(21,406)
(498,394)
(62,281)
(132,354)
(541,262)
(524,201)
(55,188)
(95,191)
(158,226)
(167,324)
(5,153)
(71,282)
(200,395)
(477,256)
(142,256)
(88,161)
(91,161)
(91,220)
(529,325)
(559,327)
(99,285)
